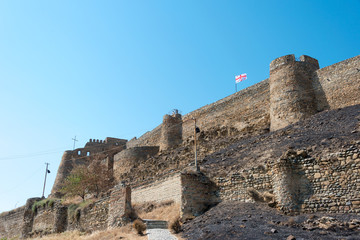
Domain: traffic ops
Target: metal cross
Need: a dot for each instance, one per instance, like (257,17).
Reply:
(74,142)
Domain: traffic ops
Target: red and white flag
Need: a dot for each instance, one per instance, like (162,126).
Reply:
(240,77)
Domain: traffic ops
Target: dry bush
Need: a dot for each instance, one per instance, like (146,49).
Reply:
(268,197)
(258,197)
(175,225)
(139,226)
(291,222)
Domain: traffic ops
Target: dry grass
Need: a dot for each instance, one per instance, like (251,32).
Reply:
(126,233)
(167,211)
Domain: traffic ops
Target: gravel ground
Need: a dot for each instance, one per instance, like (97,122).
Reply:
(160,234)
(236,220)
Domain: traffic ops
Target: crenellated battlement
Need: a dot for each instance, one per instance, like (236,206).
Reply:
(290,59)
(83,156)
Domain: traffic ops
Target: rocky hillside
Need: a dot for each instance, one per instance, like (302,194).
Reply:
(321,134)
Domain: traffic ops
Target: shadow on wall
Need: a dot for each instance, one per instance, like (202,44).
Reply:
(321,100)
(199,194)
(290,184)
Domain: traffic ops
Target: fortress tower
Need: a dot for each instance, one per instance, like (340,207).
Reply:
(171,132)
(292,97)
(84,156)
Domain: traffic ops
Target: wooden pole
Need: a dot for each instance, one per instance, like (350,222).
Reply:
(195,147)
(47,164)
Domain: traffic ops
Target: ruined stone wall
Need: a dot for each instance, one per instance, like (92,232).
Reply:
(94,217)
(11,223)
(302,183)
(119,206)
(167,189)
(338,85)
(235,187)
(333,180)
(110,211)
(198,194)
(50,218)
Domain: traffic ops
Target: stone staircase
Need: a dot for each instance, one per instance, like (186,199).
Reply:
(155,224)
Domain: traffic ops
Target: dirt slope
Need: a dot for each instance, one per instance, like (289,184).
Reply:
(236,220)
(321,133)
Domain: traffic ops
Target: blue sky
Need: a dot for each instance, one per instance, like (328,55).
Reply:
(99,69)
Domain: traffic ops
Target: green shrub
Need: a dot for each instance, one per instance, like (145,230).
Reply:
(74,210)
(43,203)
(139,226)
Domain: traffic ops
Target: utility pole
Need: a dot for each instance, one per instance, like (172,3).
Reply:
(74,142)
(46,172)
(195,147)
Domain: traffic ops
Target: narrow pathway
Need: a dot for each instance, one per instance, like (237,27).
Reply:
(157,230)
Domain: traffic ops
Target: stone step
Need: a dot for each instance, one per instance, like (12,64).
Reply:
(155,224)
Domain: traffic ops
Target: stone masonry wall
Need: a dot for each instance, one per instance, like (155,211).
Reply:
(198,194)
(338,85)
(236,186)
(302,183)
(50,218)
(244,109)
(119,207)
(167,189)
(11,223)
(334,181)
(128,159)
(193,191)
(90,218)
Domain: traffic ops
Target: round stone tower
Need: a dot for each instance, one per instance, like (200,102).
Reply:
(292,96)
(66,165)
(171,131)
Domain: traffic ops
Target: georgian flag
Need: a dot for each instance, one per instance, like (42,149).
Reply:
(240,77)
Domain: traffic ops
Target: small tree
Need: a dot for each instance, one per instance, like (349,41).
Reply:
(99,178)
(75,183)
(83,180)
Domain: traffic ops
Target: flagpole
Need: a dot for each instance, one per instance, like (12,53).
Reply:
(235,87)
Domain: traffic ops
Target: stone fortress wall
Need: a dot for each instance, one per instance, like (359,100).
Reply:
(190,191)
(320,185)
(330,87)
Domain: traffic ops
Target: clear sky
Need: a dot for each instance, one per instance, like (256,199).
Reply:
(96,69)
